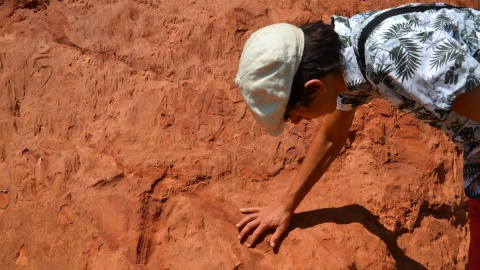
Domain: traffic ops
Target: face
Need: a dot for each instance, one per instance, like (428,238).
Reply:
(325,100)
(320,106)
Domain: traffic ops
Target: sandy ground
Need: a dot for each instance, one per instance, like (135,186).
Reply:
(124,144)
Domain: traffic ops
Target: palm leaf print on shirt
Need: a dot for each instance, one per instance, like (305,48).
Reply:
(396,30)
(471,40)
(444,23)
(424,36)
(406,57)
(406,54)
(446,52)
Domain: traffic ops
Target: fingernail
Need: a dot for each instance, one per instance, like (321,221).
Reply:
(272,244)
(248,245)
(239,237)
(238,225)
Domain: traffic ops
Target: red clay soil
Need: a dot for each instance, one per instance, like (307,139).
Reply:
(124,144)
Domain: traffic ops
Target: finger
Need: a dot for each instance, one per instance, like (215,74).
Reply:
(249,210)
(276,235)
(255,235)
(246,219)
(248,228)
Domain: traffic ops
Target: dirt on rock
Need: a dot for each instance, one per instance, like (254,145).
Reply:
(125,144)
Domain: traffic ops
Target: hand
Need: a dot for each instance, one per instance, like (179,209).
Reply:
(259,220)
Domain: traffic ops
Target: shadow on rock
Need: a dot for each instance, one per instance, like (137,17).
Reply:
(355,214)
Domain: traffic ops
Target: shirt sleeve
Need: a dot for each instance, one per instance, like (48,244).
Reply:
(359,91)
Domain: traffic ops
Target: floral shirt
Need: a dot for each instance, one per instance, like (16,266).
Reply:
(420,62)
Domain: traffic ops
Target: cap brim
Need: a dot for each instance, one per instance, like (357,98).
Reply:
(277,132)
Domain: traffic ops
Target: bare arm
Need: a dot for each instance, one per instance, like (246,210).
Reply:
(468,104)
(325,147)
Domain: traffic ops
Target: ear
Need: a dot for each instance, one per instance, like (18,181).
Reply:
(316,84)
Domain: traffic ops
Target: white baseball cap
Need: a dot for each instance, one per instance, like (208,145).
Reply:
(269,61)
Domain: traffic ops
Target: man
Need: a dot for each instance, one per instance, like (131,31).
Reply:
(424,59)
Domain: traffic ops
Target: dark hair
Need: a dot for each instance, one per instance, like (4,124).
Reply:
(321,55)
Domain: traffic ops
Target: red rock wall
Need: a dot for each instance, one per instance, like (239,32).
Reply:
(124,144)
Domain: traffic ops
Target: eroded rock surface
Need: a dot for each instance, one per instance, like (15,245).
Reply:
(124,144)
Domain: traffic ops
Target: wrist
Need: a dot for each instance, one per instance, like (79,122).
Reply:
(288,203)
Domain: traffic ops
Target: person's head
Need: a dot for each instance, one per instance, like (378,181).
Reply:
(286,70)
(321,57)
